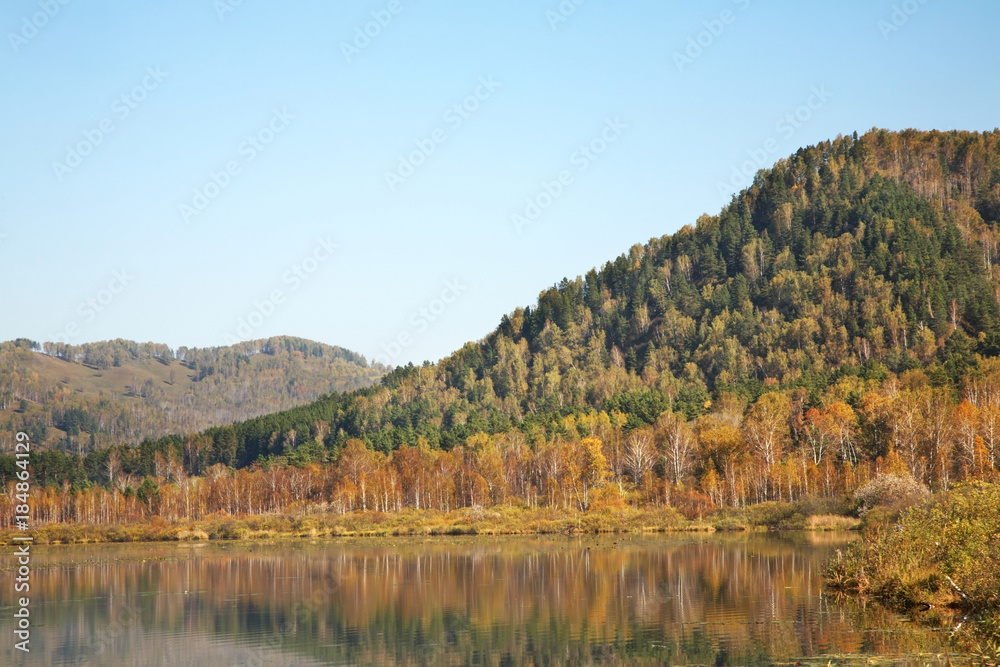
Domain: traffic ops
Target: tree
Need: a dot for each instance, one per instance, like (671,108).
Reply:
(640,454)
(724,450)
(147,493)
(224,444)
(195,447)
(843,425)
(586,468)
(766,426)
(817,431)
(677,446)
(936,430)
(112,466)
(967,420)
(357,463)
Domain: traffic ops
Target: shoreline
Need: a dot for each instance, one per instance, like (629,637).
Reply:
(494,521)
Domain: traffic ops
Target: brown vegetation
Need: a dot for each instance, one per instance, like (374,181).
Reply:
(98,394)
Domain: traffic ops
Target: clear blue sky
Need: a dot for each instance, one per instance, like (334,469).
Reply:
(184,86)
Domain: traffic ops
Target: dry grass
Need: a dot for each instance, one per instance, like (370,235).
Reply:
(498,520)
(832,522)
(503,520)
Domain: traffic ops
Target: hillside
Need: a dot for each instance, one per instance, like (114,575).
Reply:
(90,396)
(859,257)
(838,319)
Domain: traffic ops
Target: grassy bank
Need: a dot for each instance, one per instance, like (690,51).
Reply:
(502,520)
(943,552)
(493,521)
(807,514)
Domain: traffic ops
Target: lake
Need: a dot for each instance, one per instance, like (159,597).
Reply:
(712,599)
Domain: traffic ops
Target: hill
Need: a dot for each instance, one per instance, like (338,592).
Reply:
(837,320)
(860,257)
(78,398)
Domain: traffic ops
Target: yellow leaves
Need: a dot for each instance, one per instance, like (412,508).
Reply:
(585,467)
(754,259)
(925,345)
(607,497)
(841,413)
(966,412)
(684,265)
(771,410)
(477,441)
(720,440)
(710,481)
(595,465)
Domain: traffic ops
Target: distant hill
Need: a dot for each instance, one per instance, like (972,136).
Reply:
(78,397)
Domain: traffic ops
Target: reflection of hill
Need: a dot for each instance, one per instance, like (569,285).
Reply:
(709,600)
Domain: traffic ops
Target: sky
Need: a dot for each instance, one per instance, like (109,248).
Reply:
(393,176)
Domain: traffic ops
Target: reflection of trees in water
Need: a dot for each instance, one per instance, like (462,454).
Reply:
(723,599)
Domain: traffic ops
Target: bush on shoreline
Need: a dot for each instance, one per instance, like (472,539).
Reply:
(944,551)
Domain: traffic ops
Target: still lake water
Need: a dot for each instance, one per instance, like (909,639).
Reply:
(666,599)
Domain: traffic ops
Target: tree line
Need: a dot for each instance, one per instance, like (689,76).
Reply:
(781,447)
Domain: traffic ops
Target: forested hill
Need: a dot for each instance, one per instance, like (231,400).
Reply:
(116,392)
(862,256)
(840,309)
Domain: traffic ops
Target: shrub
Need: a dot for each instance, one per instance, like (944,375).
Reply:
(946,551)
(730,523)
(692,504)
(891,493)
(773,514)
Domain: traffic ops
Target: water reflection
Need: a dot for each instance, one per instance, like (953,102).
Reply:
(717,600)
